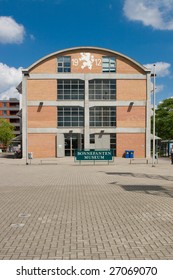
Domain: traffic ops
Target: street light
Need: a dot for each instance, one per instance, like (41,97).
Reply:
(154,119)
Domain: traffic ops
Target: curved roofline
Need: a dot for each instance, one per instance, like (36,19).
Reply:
(89,48)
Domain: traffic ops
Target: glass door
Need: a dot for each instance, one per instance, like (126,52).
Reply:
(73,141)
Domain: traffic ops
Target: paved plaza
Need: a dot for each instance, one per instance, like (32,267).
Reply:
(63,210)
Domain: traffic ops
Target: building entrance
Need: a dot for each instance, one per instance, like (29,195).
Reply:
(72,142)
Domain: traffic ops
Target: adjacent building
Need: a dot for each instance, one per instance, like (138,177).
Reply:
(85,98)
(8,111)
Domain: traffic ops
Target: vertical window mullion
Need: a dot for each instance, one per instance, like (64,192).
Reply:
(70,115)
(78,117)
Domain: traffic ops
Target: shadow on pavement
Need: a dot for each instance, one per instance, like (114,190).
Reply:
(141,175)
(147,189)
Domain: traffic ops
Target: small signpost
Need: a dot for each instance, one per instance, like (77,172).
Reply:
(94,155)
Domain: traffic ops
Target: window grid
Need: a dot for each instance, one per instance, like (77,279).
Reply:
(108,64)
(103,116)
(70,116)
(92,138)
(70,89)
(102,89)
(64,64)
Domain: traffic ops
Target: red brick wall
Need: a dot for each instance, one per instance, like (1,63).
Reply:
(123,65)
(47,66)
(131,117)
(131,141)
(42,145)
(131,90)
(42,90)
(42,117)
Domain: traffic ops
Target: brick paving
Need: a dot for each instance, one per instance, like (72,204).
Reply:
(67,211)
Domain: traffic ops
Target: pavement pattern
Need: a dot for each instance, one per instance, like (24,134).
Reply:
(60,210)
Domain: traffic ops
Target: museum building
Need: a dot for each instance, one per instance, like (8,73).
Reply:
(85,98)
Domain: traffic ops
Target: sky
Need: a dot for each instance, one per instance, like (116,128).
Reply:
(32,29)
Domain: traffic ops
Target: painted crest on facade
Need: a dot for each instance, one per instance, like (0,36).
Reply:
(87,59)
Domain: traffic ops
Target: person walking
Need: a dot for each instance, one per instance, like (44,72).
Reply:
(172,155)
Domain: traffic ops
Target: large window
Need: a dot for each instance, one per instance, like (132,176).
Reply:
(70,116)
(108,64)
(102,116)
(70,89)
(102,89)
(64,64)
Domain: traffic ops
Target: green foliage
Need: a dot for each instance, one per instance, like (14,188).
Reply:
(6,132)
(164,119)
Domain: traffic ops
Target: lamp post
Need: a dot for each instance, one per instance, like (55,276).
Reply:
(154,119)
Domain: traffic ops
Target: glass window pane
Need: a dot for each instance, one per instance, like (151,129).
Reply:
(81,86)
(72,88)
(108,64)
(60,124)
(67,64)
(66,58)
(60,59)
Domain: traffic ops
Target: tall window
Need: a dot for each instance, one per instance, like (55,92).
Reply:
(70,116)
(102,89)
(113,142)
(102,116)
(70,89)
(108,64)
(64,64)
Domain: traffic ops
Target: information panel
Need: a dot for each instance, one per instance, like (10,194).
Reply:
(94,155)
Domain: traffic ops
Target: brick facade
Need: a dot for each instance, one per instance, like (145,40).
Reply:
(42,145)
(42,90)
(131,95)
(131,141)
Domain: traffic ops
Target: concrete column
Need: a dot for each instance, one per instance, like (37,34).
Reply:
(86,117)
(148,117)
(24,119)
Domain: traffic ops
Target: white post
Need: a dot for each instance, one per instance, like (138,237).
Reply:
(154,120)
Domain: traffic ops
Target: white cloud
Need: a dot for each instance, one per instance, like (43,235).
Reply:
(161,68)
(11,31)
(10,77)
(159,88)
(155,13)
(10,93)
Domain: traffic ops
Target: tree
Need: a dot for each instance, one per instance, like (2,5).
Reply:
(164,119)
(6,132)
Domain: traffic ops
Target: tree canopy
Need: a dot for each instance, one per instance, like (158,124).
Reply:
(6,132)
(164,119)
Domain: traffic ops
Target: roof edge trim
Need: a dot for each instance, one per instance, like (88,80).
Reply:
(88,48)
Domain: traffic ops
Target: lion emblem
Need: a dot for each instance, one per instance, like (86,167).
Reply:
(87,59)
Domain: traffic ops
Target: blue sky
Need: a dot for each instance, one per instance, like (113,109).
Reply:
(140,29)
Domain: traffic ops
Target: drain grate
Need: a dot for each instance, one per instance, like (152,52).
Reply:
(17,225)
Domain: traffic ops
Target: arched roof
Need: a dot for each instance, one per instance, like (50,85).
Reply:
(80,49)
